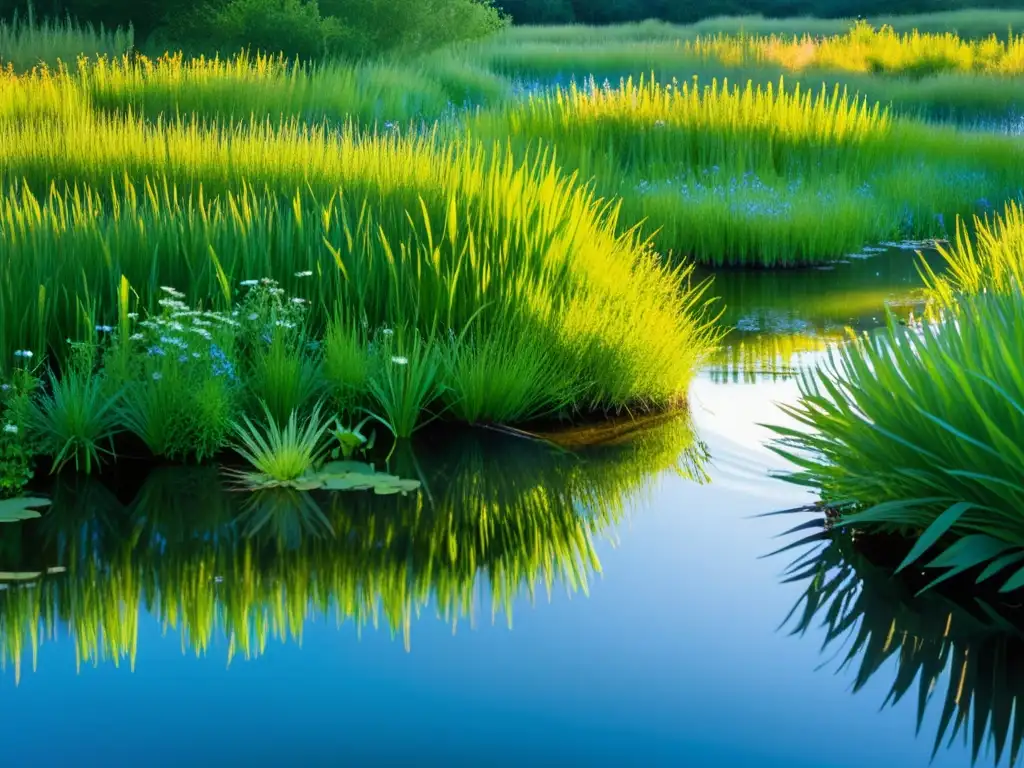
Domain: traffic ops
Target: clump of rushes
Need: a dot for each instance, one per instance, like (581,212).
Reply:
(75,419)
(279,455)
(917,431)
(405,379)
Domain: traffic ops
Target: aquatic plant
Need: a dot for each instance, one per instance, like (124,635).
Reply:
(280,455)
(405,379)
(914,430)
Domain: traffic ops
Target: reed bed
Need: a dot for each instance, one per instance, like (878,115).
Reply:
(867,49)
(27,43)
(743,175)
(504,519)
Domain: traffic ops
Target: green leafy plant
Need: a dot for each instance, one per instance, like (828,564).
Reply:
(350,440)
(916,431)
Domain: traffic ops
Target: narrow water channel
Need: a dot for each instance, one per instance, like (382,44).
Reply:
(602,605)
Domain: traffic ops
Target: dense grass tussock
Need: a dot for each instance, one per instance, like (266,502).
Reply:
(987,257)
(516,269)
(918,430)
(742,175)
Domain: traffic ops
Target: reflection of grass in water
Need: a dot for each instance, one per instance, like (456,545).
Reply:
(499,514)
(751,358)
(967,653)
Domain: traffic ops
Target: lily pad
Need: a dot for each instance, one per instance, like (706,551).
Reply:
(17,509)
(356,476)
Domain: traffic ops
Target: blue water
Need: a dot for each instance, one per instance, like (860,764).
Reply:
(674,658)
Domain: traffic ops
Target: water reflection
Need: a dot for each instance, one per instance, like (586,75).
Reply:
(780,318)
(498,515)
(958,653)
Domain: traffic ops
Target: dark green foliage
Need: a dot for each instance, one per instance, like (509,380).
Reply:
(688,11)
(304,28)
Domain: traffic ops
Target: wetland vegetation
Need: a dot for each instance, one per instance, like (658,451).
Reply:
(399,320)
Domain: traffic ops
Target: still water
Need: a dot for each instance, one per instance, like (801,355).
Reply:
(605,601)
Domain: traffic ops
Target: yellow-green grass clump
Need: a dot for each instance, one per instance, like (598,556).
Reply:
(767,176)
(987,257)
(868,49)
(392,230)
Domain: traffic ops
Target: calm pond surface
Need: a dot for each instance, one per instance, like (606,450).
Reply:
(180,624)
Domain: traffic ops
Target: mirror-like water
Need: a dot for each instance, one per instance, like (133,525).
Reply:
(606,604)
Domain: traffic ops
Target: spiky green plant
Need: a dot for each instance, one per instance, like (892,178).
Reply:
(987,257)
(916,430)
(75,419)
(280,454)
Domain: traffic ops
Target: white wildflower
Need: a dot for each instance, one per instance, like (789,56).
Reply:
(25,353)
(249,283)
(298,300)
(104,329)
(304,273)
(136,337)
(11,429)
(400,360)
(254,316)
(157,376)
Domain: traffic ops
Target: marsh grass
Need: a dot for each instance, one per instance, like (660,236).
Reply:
(26,42)
(913,431)
(286,376)
(75,419)
(422,236)
(743,175)
(346,364)
(405,380)
(985,257)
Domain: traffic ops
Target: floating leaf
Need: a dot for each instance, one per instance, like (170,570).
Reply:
(14,510)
